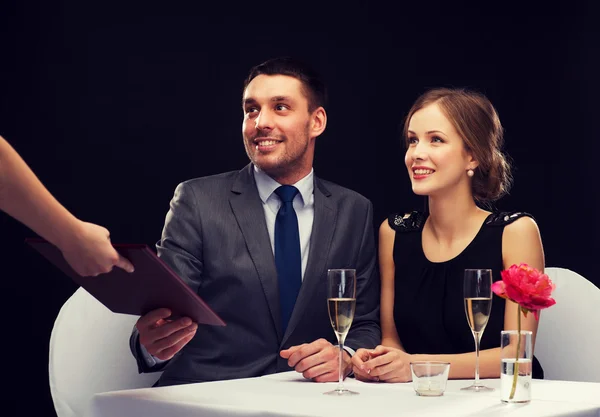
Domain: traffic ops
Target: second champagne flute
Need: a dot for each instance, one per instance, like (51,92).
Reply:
(477,291)
(341,302)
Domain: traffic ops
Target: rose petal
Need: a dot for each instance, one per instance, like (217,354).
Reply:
(499,288)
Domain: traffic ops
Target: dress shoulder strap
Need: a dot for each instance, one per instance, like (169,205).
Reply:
(504,218)
(407,222)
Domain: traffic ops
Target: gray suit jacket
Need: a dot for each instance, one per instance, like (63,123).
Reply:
(215,237)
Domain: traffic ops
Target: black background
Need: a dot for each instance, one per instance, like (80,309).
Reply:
(113,105)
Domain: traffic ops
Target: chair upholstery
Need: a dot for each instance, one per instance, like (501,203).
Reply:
(89,354)
(568,338)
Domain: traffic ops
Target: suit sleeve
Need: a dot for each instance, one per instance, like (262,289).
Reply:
(365,331)
(181,248)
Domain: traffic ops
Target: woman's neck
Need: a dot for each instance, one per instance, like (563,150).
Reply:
(453,217)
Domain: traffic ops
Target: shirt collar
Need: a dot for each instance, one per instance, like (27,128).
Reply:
(267,185)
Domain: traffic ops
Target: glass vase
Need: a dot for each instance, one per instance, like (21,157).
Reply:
(516,366)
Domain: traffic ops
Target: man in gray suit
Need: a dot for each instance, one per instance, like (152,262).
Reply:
(221,235)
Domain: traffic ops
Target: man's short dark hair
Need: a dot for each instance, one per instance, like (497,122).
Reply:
(313,86)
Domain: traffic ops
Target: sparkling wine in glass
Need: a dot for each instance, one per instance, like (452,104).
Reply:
(341,301)
(477,292)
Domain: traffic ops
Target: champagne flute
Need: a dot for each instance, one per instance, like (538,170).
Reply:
(477,291)
(341,301)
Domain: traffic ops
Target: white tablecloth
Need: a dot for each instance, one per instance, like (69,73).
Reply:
(288,394)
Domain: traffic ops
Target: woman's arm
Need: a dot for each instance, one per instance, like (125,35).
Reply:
(387,268)
(389,335)
(86,246)
(522,243)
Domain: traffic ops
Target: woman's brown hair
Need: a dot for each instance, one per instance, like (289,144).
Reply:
(476,121)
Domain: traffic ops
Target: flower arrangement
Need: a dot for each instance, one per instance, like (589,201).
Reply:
(531,290)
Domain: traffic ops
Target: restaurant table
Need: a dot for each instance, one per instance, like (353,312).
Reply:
(289,394)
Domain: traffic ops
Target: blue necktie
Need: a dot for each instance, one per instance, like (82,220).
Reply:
(288,259)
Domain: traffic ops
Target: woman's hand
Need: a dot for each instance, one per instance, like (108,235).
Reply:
(385,364)
(358,360)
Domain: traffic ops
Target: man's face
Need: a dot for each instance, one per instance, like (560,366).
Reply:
(279,132)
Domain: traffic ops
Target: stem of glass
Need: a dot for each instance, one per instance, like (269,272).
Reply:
(477,337)
(341,371)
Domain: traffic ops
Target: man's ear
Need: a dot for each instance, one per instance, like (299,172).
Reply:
(318,122)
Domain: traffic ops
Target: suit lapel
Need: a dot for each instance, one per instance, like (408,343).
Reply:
(320,242)
(247,208)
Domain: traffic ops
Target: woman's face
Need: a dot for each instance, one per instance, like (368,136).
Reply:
(436,159)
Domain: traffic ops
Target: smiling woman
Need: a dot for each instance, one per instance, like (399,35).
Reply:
(468,122)
(453,157)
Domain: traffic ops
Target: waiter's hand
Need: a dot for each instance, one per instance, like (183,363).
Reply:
(89,252)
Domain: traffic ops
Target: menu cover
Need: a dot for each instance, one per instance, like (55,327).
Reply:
(152,285)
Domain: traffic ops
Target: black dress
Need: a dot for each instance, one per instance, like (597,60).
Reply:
(428,300)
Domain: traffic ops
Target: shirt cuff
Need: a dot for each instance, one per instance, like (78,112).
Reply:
(150,359)
(350,352)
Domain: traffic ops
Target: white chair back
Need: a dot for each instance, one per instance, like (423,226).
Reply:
(89,354)
(568,338)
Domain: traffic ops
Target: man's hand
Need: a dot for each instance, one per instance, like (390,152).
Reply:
(318,360)
(386,363)
(163,338)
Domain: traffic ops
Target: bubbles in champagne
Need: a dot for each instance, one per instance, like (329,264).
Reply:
(341,314)
(478,312)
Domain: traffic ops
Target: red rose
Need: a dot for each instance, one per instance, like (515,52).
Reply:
(526,286)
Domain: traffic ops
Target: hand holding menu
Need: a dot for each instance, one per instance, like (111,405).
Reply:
(152,285)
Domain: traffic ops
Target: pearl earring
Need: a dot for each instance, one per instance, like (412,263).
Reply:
(470,172)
